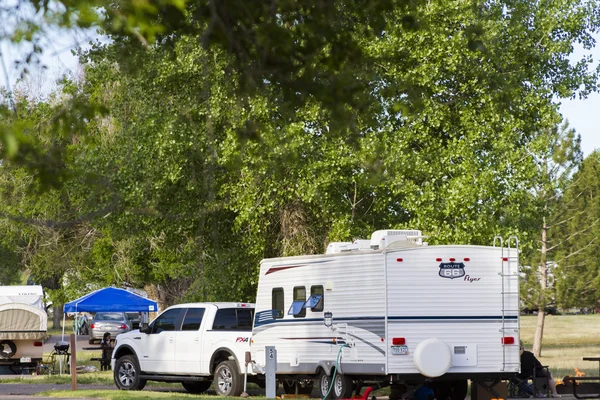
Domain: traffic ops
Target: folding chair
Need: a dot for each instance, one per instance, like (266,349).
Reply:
(519,388)
(539,386)
(48,364)
(540,378)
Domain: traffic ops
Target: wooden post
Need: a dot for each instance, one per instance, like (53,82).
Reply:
(73,362)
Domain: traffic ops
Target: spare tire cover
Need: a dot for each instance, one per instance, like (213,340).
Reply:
(7,349)
(432,357)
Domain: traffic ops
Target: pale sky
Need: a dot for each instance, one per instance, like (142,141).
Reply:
(583,115)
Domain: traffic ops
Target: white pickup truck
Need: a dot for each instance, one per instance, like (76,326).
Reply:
(195,344)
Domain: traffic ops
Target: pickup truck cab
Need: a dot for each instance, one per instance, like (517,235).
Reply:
(195,344)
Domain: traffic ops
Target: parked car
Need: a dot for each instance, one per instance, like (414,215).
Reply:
(113,322)
(134,317)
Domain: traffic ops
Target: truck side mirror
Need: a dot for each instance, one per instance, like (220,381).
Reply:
(144,328)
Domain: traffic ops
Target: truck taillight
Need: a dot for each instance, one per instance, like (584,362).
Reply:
(398,341)
(38,344)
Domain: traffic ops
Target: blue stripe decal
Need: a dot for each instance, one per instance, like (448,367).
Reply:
(452,317)
(266,321)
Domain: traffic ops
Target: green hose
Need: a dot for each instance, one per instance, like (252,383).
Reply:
(335,368)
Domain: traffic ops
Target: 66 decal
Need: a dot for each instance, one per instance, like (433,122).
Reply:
(452,270)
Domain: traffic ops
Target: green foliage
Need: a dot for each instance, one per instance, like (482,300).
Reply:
(207,136)
(577,239)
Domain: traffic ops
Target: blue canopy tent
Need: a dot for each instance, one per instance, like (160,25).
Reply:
(109,299)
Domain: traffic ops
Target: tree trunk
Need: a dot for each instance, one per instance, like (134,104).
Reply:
(154,294)
(57,314)
(543,270)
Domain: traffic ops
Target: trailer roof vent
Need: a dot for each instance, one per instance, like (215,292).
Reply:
(382,238)
(362,244)
(343,247)
(338,247)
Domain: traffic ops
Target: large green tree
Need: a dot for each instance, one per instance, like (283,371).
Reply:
(577,265)
(213,135)
(557,155)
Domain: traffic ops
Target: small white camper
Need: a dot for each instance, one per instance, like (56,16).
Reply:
(23,326)
(397,312)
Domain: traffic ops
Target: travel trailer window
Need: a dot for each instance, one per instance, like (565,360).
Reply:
(313,301)
(297,309)
(193,319)
(277,302)
(316,291)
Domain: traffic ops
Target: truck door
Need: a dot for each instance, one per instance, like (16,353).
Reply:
(189,342)
(158,348)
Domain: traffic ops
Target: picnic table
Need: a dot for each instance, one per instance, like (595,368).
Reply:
(104,363)
(592,387)
(593,359)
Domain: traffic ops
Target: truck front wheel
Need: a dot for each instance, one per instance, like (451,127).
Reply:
(228,381)
(127,374)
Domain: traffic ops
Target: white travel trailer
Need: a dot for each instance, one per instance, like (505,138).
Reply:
(391,311)
(23,326)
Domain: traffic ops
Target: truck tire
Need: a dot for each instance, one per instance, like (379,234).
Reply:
(127,374)
(196,387)
(227,379)
(8,348)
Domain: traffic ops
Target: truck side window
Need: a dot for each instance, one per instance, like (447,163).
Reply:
(297,309)
(245,317)
(193,319)
(225,320)
(168,321)
(233,319)
(316,291)
(277,303)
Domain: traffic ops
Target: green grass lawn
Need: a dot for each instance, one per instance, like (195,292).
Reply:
(567,339)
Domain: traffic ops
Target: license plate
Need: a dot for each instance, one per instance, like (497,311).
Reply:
(399,350)
(25,359)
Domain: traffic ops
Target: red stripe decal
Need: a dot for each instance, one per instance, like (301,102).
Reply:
(271,270)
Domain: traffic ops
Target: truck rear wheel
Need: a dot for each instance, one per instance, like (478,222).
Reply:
(127,374)
(228,381)
(196,387)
